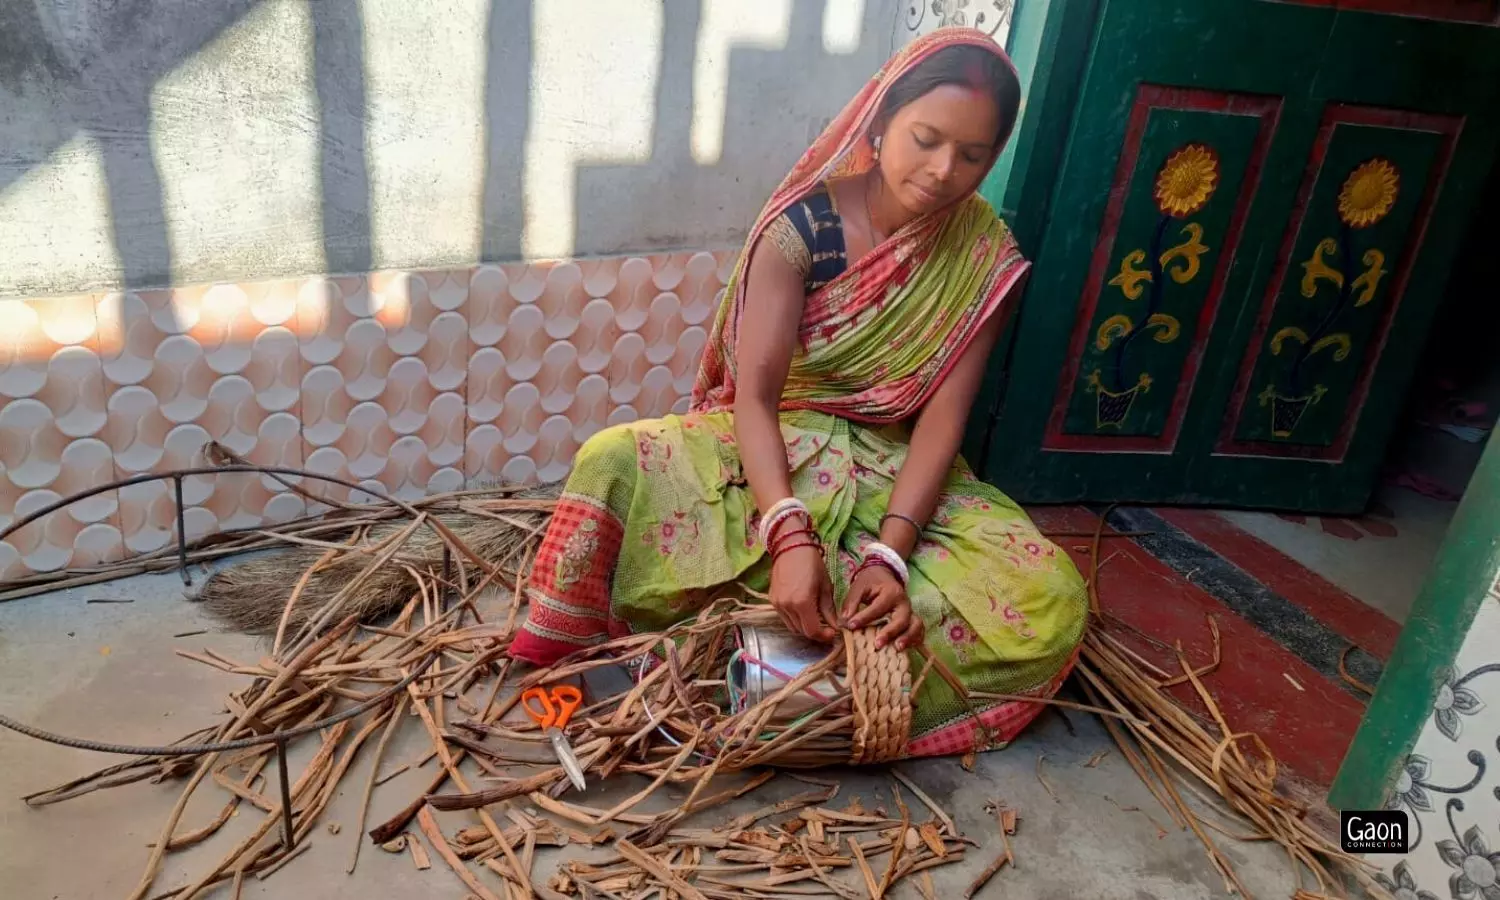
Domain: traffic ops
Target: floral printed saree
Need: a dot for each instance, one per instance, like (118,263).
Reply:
(657,515)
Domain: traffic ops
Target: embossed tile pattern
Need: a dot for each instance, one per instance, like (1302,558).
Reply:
(52,436)
(561,350)
(383,391)
(404,383)
(195,365)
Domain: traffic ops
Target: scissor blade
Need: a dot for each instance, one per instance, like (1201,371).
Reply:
(564,752)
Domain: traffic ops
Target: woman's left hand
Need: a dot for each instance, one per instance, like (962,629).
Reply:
(877,592)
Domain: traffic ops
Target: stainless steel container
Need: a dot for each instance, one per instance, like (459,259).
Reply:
(770,657)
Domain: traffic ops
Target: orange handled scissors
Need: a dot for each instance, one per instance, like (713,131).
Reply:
(552,710)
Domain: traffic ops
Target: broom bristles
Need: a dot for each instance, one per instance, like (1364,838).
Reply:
(251,595)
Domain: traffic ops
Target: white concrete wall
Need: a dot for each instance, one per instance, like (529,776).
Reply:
(154,142)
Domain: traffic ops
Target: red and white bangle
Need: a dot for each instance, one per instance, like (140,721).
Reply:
(875,562)
(888,558)
(777,514)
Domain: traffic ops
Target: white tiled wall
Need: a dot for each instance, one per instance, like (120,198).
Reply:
(412,381)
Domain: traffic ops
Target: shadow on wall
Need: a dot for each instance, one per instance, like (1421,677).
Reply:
(87,67)
(339,72)
(411,380)
(71,68)
(766,129)
(507,116)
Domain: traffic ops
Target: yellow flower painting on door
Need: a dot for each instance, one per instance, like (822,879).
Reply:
(1368,195)
(1184,185)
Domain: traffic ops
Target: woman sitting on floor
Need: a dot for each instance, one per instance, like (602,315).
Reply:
(820,458)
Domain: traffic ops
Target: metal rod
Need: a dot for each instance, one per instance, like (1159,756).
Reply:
(182,560)
(98,489)
(288,832)
(259,740)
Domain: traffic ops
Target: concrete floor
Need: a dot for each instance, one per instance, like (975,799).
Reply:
(1382,569)
(1381,558)
(1385,572)
(108,671)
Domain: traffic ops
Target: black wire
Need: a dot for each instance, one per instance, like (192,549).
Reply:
(222,746)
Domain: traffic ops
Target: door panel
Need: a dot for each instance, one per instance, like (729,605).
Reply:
(1190,165)
(1166,350)
(1341,275)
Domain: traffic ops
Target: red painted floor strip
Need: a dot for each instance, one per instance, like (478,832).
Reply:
(1361,623)
(1307,725)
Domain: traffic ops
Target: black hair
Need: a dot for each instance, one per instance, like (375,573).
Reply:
(967,66)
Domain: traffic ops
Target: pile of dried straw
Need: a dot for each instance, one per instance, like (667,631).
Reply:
(365,599)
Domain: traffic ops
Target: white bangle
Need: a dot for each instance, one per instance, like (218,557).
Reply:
(777,514)
(889,557)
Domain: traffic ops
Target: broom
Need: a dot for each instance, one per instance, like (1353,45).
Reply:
(251,596)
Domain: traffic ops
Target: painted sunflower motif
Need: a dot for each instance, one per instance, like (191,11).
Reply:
(1369,193)
(1187,180)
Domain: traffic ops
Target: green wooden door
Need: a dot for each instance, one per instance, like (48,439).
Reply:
(1245,214)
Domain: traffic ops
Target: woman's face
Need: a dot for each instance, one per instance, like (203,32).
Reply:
(937,147)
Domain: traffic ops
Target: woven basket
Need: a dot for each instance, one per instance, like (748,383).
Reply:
(880,686)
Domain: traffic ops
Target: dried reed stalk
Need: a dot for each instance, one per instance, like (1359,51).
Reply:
(413,589)
(1156,727)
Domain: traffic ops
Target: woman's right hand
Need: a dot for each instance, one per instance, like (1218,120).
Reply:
(803,595)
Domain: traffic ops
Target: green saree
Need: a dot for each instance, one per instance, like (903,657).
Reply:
(656,515)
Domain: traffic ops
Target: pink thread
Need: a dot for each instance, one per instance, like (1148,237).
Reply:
(785,679)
